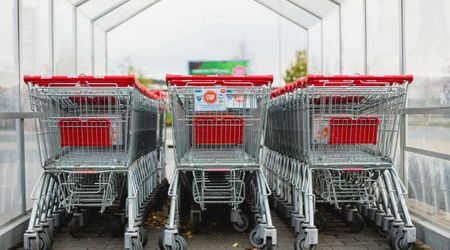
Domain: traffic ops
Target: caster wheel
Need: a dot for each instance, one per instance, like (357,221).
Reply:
(397,242)
(75,228)
(180,243)
(255,240)
(143,236)
(33,244)
(357,224)
(161,240)
(319,221)
(117,228)
(44,241)
(269,244)
(196,224)
(300,243)
(49,234)
(136,244)
(243,226)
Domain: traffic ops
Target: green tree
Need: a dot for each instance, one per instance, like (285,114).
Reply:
(298,68)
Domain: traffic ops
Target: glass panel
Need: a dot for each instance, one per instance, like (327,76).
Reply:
(429,132)
(314,58)
(64,38)
(10,204)
(32,167)
(383,52)
(35,44)
(428,187)
(331,43)
(428,52)
(84,59)
(99,51)
(352,37)
(8,56)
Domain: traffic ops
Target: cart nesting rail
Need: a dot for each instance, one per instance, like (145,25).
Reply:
(332,139)
(218,123)
(101,145)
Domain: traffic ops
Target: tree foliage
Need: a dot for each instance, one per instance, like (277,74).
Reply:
(298,68)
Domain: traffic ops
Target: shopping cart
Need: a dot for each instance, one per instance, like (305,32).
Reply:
(332,140)
(218,123)
(99,141)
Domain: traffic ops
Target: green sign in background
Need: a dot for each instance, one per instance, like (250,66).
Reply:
(218,68)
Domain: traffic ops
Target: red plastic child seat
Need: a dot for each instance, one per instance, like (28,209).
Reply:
(346,130)
(218,130)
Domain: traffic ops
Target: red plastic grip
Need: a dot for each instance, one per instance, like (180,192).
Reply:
(211,80)
(91,81)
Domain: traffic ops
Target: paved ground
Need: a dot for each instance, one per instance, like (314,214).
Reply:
(218,234)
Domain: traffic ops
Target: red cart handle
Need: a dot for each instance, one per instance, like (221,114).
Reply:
(210,80)
(90,81)
(343,80)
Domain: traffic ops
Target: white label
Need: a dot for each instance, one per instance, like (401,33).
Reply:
(239,100)
(321,130)
(210,100)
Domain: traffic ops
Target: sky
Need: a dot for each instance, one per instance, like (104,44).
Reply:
(165,37)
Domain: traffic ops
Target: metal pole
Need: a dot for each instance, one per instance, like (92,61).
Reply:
(75,35)
(52,35)
(279,45)
(340,34)
(19,122)
(106,52)
(92,48)
(402,37)
(365,37)
(321,47)
(281,14)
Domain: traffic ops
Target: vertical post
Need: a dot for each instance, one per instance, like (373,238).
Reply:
(20,122)
(279,45)
(402,37)
(404,171)
(321,46)
(340,39)
(365,37)
(92,48)
(52,34)
(75,35)
(308,66)
(106,52)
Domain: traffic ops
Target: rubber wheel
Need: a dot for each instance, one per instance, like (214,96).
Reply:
(300,243)
(180,243)
(196,224)
(75,228)
(136,244)
(255,240)
(269,244)
(161,240)
(49,234)
(44,241)
(357,224)
(243,226)
(319,221)
(33,244)
(117,228)
(143,236)
(397,243)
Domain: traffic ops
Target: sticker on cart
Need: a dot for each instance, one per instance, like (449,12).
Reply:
(239,100)
(210,100)
(321,130)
